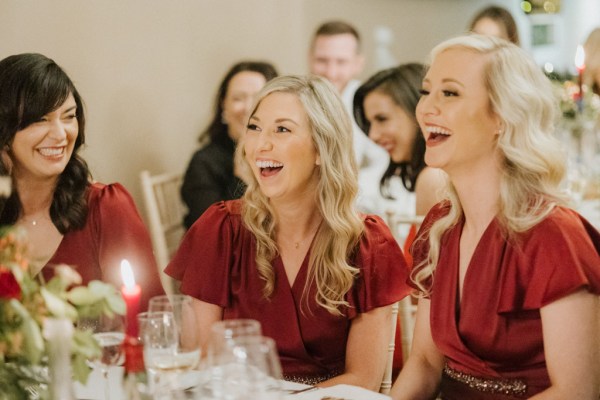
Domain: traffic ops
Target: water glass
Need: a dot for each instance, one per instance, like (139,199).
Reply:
(248,367)
(186,355)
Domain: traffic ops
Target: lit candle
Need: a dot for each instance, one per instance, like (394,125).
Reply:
(580,65)
(131,294)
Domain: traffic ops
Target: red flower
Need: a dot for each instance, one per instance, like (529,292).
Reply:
(9,287)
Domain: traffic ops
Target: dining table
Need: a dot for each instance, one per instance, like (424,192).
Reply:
(94,389)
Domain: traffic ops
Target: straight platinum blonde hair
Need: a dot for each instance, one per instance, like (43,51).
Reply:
(341,229)
(533,163)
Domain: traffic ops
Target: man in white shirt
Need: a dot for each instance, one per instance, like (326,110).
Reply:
(335,54)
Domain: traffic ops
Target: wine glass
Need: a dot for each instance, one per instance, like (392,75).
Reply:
(226,331)
(248,367)
(158,333)
(109,333)
(186,355)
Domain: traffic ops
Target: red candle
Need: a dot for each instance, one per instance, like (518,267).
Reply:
(131,294)
(580,65)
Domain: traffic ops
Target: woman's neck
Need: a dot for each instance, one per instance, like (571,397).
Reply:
(296,222)
(479,195)
(35,197)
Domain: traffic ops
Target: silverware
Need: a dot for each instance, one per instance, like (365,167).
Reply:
(303,390)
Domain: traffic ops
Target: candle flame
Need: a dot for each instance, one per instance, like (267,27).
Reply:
(580,58)
(127,274)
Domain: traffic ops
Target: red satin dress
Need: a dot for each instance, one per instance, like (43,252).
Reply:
(495,331)
(113,231)
(216,264)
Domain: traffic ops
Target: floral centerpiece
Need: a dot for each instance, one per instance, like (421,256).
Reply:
(572,106)
(26,302)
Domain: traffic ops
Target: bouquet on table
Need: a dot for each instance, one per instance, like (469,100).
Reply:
(26,302)
(573,105)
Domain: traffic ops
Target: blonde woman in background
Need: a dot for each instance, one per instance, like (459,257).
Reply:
(509,276)
(591,74)
(293,253)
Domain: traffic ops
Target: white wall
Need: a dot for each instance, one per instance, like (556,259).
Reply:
(148,69)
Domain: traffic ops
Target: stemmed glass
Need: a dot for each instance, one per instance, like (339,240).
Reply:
(186,354)
(226,331)
(109,333)
(158,333)
(247,367)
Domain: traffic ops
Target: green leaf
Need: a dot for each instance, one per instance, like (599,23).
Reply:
(57,306)
(33,342)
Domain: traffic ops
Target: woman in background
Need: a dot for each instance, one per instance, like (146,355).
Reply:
(384,108)
(591,74)
(211,176)
(495,21)
(68,219)
(509,276)
(293,253)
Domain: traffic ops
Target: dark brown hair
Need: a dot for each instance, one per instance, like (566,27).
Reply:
(502,17)
(31,86)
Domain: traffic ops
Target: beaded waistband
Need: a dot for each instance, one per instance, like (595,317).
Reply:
(514,387)
(311,380)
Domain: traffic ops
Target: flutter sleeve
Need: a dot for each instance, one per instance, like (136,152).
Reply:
(121,234)
(383,270)
(559,257)
(204,256)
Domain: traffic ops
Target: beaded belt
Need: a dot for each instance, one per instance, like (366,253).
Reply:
(311,380)
(514,387)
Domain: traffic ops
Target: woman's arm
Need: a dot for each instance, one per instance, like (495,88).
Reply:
(206,315)
(572,347)
(429,189)
(420,377)
(366,350)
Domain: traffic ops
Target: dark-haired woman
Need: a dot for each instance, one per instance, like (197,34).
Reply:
(69,219)
(210,176)
(384,108)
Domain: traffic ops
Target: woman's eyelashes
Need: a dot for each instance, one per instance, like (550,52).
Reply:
(446,93)
(278,129)
(252,127)
(450,93)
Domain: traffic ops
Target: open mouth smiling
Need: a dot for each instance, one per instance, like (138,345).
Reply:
(269,168)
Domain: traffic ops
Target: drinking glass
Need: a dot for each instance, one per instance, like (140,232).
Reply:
(109,332)
(247,368)
(186,354)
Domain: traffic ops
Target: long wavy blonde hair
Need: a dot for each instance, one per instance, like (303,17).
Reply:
(341,229)
(532,160)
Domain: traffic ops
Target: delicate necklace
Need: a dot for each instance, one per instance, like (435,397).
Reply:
(36,221)
(297,244)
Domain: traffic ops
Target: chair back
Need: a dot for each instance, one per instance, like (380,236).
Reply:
(164,212)
(404,228)
(386,382)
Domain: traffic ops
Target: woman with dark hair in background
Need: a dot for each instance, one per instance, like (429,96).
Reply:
(384,108)
(211,175)
(68,218)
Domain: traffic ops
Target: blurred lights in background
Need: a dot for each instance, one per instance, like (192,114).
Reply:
(540,6)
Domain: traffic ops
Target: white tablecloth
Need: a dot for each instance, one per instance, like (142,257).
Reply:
(94,390)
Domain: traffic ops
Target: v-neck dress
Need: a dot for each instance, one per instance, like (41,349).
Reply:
(216,264)
(495,330)
(113,231)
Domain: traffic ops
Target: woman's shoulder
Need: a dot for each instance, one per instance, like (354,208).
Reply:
(230,210)
(108,193)
(560,222)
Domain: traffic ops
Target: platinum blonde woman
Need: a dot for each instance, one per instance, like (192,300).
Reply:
(509,275)
(293,253)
